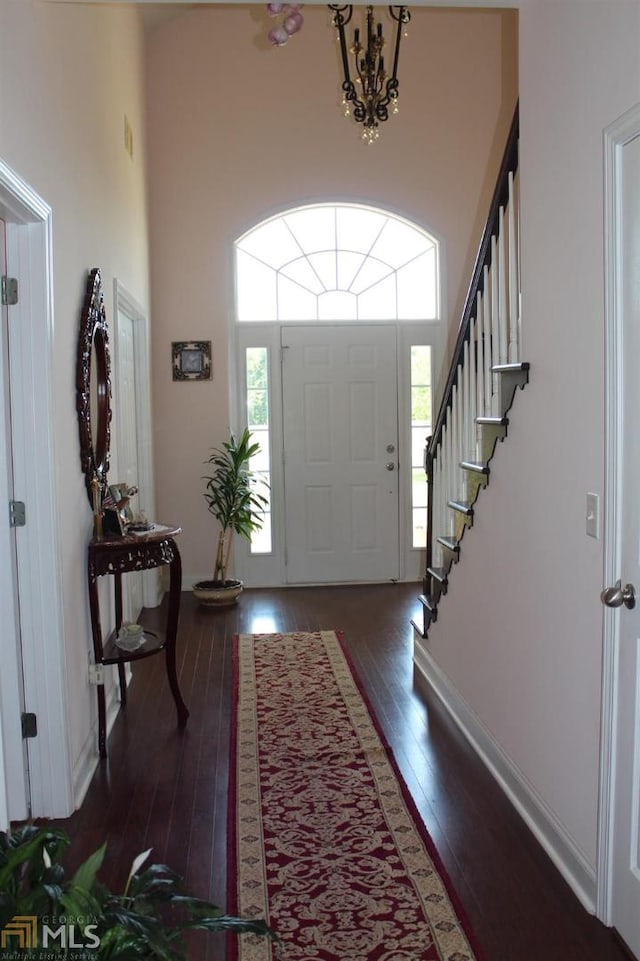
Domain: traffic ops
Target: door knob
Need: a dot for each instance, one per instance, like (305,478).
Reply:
(391,465)
(617,595)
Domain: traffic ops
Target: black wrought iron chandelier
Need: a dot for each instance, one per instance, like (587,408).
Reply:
(376,91)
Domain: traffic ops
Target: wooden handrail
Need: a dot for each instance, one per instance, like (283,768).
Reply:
(500,197)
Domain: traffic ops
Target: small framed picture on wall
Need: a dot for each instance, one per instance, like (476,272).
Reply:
(191,359)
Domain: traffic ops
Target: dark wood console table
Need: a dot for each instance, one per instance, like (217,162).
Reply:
(116,555)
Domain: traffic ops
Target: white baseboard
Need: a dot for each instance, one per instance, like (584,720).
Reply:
(546,827)
(188,580)
(89,758)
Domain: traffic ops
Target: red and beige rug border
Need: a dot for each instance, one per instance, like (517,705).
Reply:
(352,677)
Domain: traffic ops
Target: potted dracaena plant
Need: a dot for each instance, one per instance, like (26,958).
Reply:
(233,493)
(44,915)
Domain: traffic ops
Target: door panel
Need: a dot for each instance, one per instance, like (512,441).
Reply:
(340,439)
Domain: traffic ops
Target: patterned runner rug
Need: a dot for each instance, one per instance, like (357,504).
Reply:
(325,841)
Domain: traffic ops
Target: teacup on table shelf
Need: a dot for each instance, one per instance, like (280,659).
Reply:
(130,636)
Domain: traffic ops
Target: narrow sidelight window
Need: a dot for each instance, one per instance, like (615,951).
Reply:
(257,379)
(420,430)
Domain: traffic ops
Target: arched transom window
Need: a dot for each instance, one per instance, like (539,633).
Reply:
(336,262)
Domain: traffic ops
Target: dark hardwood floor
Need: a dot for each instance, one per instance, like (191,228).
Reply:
(167,789)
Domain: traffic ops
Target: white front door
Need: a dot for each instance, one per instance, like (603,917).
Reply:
(340,415)
(625,888)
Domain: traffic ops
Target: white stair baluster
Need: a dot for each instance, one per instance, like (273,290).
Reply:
(453,477)
(441,527)
(457,491)
(433,499)
(468,400)
(503,313)
(461,476)
(438,526)
(462,404)
(449,493)
(453,441)
(442,517)
(480,364)
(486,324)
(473,395)
(514,274)
(495,336)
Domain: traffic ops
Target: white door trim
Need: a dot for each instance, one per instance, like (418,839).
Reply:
(126,304)
(29,250)
(621,132)
(269,570)
(15,793)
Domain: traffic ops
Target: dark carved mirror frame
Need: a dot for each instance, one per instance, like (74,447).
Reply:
(93,400)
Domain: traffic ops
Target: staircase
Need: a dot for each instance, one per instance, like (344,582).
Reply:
(485,372)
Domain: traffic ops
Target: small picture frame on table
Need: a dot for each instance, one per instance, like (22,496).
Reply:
(121,495)
(112,522)
(191,359)
(117,510)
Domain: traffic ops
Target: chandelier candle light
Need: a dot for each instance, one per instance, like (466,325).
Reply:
(370,102)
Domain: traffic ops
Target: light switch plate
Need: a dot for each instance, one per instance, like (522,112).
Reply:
(593,515)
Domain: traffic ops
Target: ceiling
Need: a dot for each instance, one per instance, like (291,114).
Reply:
(153,14)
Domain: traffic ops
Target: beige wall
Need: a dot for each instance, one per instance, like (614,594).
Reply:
(239,130)
(68,74)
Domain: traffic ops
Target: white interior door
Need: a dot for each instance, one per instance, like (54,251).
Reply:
(133,437)
(11,676)
(625,888)
(340,416)
(128,445)
(40,580)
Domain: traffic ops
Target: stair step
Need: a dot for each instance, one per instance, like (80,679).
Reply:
(429,605)
(512,377)
(462,507)
(491,430)
(439,573)
(463,517)
(510,368)
(429,614)
(450,544)
(475,467)
(421,630)
(477,473)
(493,421)
(438,583)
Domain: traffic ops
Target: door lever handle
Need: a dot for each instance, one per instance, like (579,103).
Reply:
(618,595)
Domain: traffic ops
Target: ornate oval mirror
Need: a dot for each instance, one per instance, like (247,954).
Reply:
(93,390)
